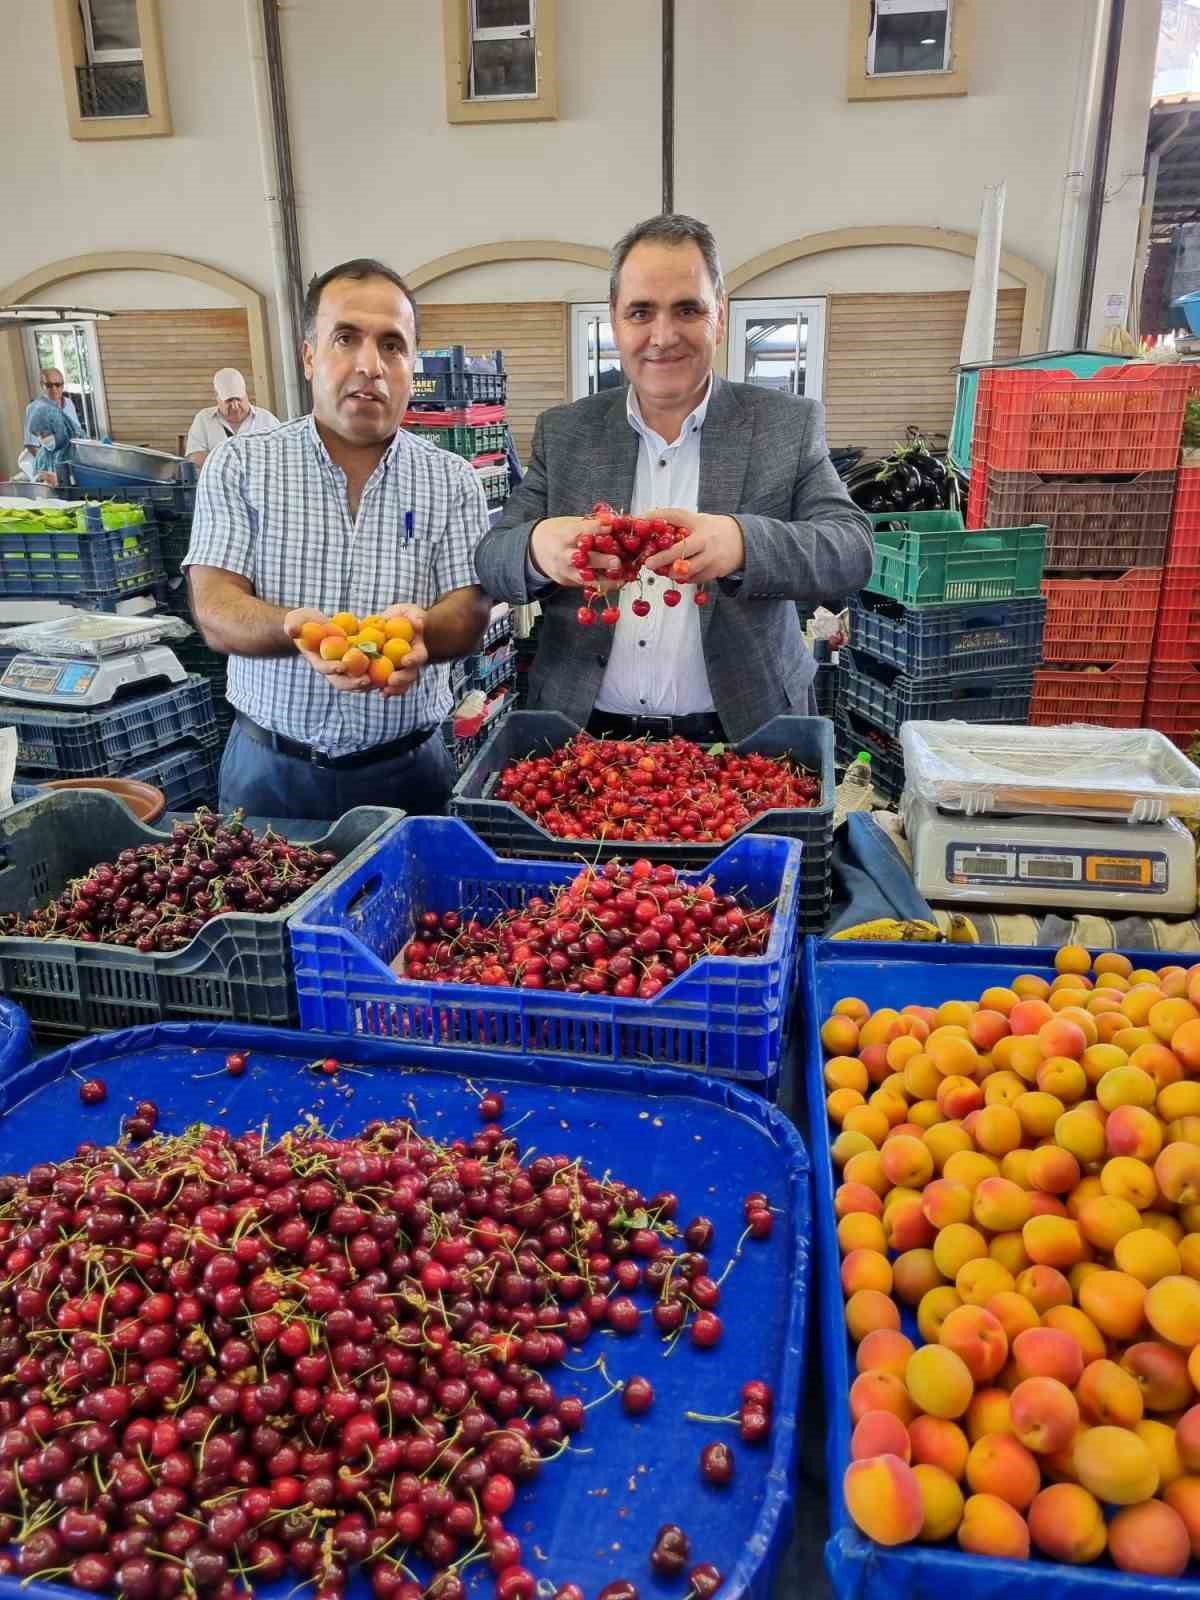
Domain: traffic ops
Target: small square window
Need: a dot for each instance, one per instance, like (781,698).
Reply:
(503,49)
(908,36)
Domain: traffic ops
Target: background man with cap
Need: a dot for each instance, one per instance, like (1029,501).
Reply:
(233,415)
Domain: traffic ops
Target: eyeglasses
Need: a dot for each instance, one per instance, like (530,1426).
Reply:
(47,384)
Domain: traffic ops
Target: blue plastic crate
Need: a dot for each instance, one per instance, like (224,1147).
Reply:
(16,1039)
(887,698)
(906,974)
(725,1016)
(947,641)
(91,565)
(166,502)
(488,671)
(88,744)
(657,1129)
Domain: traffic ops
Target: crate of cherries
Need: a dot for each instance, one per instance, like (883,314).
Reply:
(632,540)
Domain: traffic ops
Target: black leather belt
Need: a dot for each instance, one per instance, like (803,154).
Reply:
(357,758)
(702,728)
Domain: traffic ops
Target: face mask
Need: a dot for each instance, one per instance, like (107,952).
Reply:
(49,441)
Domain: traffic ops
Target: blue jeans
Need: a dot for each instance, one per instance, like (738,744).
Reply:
(266,783)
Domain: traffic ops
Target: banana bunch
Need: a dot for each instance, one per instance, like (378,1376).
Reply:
(890,930)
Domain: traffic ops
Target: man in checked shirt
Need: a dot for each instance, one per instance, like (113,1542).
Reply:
(339,511)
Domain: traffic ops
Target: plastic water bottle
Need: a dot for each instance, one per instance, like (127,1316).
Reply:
(854,793)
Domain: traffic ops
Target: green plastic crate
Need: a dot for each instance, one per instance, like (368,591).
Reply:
(927,558)
(486,438)
(1082,363)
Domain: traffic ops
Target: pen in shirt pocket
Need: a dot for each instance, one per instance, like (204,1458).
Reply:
(408,527)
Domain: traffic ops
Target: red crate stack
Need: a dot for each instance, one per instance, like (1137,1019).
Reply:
(1173,695)
(1094,459)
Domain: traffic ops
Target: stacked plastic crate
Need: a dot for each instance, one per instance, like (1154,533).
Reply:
(948,628)
(1173,693)
(460,403)
(484,689)
(92,556)
(1094,460)
(165,736)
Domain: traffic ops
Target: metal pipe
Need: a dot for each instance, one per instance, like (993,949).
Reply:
(284,331)
(668,105)
(1064,305)
(1091,246)
(287,187)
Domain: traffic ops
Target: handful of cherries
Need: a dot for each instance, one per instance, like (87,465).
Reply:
(631,540)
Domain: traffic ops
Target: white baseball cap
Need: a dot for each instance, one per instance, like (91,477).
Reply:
(229,385)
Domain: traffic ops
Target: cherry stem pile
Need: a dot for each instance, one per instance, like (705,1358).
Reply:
(631,540)
(644,789)
(625,931)
(157,897)
(226,1360)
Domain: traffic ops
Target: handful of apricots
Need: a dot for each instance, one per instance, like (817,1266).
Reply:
(1020,1191)
(373,648)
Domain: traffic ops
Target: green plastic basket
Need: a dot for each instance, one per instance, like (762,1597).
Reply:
(927,558)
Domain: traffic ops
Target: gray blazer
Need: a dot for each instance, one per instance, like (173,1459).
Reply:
(763,459)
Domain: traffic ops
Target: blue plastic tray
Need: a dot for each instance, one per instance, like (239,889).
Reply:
(897,974)
(590,1518)
(726,1015)
(15,1038)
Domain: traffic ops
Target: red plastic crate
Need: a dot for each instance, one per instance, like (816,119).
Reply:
(1126,419)
(1178,636)
(1101,622)
(1173,701)
(1110,698)
(1184,548)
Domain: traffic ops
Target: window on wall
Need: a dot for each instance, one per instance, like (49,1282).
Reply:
(503,49)
(778,344)
(909,36)
(112,82)
(595,364)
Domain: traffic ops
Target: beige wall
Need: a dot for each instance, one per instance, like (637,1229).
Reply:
(768,148)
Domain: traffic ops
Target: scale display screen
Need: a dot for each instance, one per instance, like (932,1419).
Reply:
(1135,871)
(38,675)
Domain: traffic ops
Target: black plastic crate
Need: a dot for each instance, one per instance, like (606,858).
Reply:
(94,566)
(942,641)
(238,967)
(87,744)
(825,687)
(463,750)
(186,774)
(452,378)
(853,734)
(887,698)
(509,832)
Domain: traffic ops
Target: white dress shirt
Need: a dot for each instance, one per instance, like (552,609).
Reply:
(656,664)
(209,428)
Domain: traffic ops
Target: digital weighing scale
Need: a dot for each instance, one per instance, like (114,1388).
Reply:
(1146,869)
(71,685)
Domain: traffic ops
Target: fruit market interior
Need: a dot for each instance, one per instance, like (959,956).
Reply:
(600,799)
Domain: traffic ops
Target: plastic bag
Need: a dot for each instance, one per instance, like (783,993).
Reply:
(1120,774)
(8,766)
(93,636)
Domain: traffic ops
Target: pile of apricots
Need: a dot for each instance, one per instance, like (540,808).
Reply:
(373,648)
(1019,1191)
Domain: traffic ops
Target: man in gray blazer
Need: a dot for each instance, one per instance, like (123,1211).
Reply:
(745,471)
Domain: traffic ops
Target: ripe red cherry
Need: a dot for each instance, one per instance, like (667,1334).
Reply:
(640,608)
(701,599)
(491,1107)
(92,1091)
(671,597)
(716,1463)
(637,1396)
(757,1393)
(759,1223)
(611,615)
(329,1066)
(235,1064)
(704,1580)
(623,1315)
(585,616)
(706,1330)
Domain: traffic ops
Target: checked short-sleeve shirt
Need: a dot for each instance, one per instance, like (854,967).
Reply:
(273,508)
